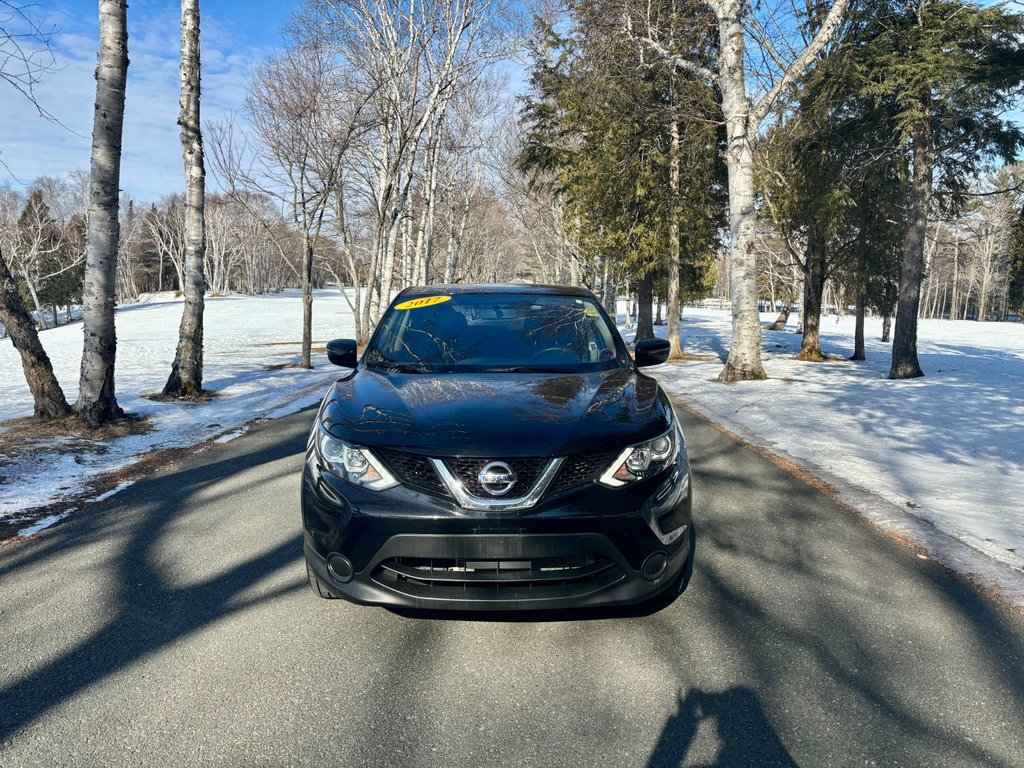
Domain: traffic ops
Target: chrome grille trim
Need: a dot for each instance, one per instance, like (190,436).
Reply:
(467,501)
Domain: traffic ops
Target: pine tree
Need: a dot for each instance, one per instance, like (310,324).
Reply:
(948,70)
(832,180)
(1015,289)
(633,151)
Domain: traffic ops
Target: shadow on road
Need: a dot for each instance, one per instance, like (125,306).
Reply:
(804,636)
(150,612)
(745,736)
(836,622)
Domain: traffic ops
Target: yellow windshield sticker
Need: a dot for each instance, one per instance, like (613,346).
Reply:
(591,312)
(426,301)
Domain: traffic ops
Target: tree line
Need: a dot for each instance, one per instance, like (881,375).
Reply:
(856,150)
(835,152)
(368,154)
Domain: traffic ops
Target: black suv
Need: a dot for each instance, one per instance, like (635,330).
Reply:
(496,448)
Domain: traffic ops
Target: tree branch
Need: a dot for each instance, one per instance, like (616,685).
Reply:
(679,62)
(800,65)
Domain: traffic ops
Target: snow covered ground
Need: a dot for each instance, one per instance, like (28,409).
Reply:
(939,459)
(245,337)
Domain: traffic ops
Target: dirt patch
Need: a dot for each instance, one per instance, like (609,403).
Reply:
(21,436)
(205,396)
(689,358)
(815,359)
(289,344)
(314,350)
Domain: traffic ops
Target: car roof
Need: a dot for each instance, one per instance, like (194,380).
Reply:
(495,288)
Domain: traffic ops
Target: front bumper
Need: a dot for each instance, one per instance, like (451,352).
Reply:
(585,548)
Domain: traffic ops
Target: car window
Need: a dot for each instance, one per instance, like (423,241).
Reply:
(474,332)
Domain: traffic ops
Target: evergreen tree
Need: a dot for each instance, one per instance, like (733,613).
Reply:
(829,187)
(948,70)
(612,134)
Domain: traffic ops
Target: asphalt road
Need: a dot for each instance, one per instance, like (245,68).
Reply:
(172,625)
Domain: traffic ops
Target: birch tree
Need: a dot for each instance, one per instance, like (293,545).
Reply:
(412,56)
(186,377)
(47,396)
(31,245)
(164,225)
(733,71)
(97,403)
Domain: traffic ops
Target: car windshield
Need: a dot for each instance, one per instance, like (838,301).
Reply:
(496,332)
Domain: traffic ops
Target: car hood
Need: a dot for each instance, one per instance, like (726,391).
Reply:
(496,414)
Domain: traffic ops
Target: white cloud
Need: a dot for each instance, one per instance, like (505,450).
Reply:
(31,146)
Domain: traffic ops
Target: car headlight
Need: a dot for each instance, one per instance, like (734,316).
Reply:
(356,465)
(643,460)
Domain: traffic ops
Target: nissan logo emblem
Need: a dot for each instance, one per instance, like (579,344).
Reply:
(497,478)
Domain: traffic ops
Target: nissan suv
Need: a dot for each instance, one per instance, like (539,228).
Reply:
(496,447)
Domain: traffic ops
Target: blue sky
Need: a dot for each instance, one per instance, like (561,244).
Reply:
(236,33)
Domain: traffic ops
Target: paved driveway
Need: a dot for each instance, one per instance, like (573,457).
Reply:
(171,625)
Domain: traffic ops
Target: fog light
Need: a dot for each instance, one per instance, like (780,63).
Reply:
(340,568)
(654,566)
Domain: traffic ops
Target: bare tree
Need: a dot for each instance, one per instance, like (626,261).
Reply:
(32,240)
(412,56)
(186,377)
(165,228)
(225,235)
(743,118)
(129,239)
(21,67)
(25,52)
(304,120)
(97,402)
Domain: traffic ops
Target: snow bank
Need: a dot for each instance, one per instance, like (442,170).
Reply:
(945,451)
(248,340)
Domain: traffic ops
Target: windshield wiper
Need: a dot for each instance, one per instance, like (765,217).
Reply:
(392,367)
(531,369)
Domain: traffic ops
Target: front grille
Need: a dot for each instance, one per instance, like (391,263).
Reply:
(527,470)
(471,579)
(412,470)
(582,468)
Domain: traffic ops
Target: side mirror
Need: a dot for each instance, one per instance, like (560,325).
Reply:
(651,352)
(342,352)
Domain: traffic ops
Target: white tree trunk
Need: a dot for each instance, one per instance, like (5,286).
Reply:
(186,378)
(744,361)
(675,342)
(742,119)
(31,285)
(97,403)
